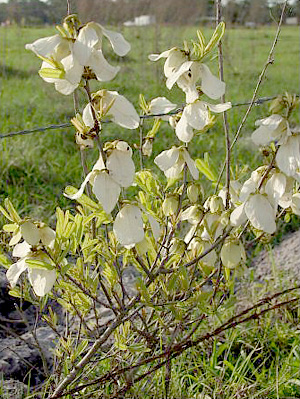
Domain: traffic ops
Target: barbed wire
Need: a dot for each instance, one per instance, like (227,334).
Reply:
(259,101)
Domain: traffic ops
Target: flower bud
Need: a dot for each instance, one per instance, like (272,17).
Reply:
(196,246)
(194,191)
(232,254)
(170,205)
(142,247)
(177,247)
(147,147)
(216,204)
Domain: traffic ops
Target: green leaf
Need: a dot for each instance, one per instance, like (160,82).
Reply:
(13,214)
(39,264)
(143,290)
(205,168)
(143,103)
(216,37)
(4,261)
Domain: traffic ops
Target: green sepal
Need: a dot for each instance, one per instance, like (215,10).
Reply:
(51,73)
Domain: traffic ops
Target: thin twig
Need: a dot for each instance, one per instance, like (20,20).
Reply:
(269,61)
(225,119)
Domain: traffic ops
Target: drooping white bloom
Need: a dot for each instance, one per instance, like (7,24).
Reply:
(272,128)
(196,116)
(259,205)
(64,59)
(69,74)
(172,162)
(178,69)
(108,180)
(128,226)
(58,65)
(41,279)
(114,105)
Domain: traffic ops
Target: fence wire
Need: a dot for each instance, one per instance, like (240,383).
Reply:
(259,101)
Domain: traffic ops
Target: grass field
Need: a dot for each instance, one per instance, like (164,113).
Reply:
(36,168)
(260,359)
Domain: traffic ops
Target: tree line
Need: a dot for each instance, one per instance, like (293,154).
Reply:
(36,12)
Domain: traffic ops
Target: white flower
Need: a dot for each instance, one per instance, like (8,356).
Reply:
(58,65)
(273,128)
(69,74)
(258,208)
(34,234)
(41,279)
(196,115)
(259,204)
(178,69)
(64,59)
(108,180)
(172,162)
(114,105)
(128,226)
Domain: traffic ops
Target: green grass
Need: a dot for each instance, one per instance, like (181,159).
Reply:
(36,168)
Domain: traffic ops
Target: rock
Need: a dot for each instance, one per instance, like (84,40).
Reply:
(12,389)
(21,358)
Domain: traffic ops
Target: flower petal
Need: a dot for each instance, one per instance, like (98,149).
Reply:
(190,164)
(176,75)
(42,280)
(288,156)
(21,250)
(161,105)
(106,190)
(86,40)
(260,213)
(275,188)
(81,190)
(166,159)
(183,130)
(128,225)
(121,167)
(87,116)
(210,85)
(238,216)
(102,69)
(122,111)
(117,41)
(45,46)
(164,54)
(30,233)
(14,272)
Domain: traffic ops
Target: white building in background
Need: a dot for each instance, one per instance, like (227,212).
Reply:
(142,20)
(291,21)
